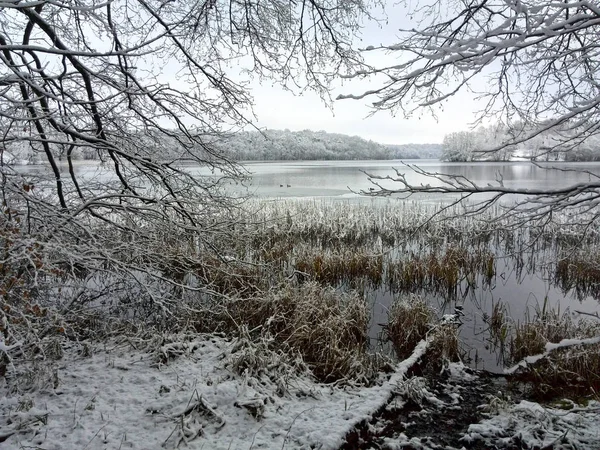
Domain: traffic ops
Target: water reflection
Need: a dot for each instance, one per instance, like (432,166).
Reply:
(340,178)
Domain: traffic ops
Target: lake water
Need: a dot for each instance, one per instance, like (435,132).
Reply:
(337,179)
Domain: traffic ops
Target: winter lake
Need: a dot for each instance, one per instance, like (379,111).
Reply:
(519,291)
(336,179)
(332,182)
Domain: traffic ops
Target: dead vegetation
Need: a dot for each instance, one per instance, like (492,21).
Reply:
(285,285)
(411,320)
(572,371)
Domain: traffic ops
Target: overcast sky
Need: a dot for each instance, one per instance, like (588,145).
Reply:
(278,109)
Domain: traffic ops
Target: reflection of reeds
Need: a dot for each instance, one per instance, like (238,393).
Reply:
(440,272)
(499,326)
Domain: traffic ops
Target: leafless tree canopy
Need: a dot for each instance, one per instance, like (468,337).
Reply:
(535,64)
(121,79)
(147,87)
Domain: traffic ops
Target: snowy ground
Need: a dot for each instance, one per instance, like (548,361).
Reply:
(122,398)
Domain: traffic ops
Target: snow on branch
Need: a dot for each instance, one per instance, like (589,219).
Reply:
(549,348)
(539,62)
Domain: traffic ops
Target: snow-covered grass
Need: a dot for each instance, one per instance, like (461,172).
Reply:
(358,223)
(188,389)
(531,425)
(410,318)
(328,329)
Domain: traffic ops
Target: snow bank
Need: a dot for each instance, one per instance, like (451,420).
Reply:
(122,398)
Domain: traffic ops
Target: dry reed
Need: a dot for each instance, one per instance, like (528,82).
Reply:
(328,329)
(572,371)
(412,320)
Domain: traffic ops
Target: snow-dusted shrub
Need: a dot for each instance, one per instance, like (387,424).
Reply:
(29,323)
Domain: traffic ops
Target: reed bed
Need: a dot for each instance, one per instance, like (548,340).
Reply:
(410,320)
(440,271)
(342,223)
(358,223)
(341,265)
(573,371)
(277,283)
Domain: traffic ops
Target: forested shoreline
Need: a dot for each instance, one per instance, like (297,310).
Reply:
(268,145)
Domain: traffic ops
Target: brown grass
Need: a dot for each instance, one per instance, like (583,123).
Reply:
(409,321)
(547,325)
(569,372)
(412,320)
(327,328)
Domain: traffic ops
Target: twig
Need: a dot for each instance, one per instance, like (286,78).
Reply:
(292,424)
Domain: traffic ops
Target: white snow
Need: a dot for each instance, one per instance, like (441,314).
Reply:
(121,398)
(535,426)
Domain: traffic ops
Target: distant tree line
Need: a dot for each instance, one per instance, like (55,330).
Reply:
(268,145)
(503,143)
(317,145)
